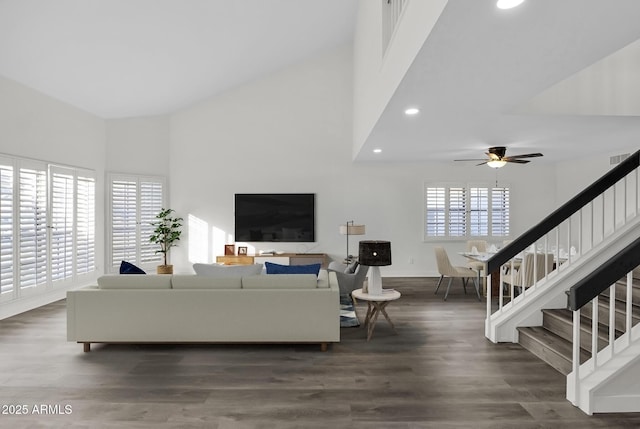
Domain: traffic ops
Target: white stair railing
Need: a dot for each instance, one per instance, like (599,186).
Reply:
(569,234)
(619,340)
(567,243)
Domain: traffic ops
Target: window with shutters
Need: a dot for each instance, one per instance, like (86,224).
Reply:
(134,203)
(7,228)
(47,226)
(465,211)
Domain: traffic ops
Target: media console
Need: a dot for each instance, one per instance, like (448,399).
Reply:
(279,258)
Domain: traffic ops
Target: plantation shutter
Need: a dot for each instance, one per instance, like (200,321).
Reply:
(62,223)
(135,202)
(7,239)
(435,198)
(124,196)
(151,202)
(479,211)
(500,212)
(33,226)
(85,224)
(457,212)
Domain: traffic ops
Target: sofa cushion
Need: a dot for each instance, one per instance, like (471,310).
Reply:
(292,269)
(204,282)
(227,271)
(280,281)
(129,268)
(134,281)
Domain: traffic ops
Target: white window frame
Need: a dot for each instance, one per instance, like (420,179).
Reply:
(144,205)
(467,218)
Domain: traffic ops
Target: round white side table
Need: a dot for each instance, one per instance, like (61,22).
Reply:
(375,305)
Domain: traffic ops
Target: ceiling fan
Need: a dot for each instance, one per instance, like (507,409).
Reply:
(498,159)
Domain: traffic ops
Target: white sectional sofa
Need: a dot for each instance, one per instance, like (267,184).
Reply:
(286,308)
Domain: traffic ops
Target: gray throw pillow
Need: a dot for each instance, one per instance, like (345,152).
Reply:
(351,268)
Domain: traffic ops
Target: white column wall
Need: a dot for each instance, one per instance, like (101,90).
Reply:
(376,77)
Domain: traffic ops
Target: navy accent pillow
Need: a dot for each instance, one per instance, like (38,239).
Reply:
(129,268)
(292,269)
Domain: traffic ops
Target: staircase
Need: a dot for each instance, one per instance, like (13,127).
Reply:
(552,342)
(554,317)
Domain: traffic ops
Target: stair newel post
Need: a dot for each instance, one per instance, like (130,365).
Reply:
(487,330)
(576,357)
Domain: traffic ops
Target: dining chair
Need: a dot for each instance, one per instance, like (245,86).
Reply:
(529,271)
(445,269)
(481,247)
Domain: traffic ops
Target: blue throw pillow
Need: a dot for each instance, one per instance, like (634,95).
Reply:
(129,268)
(292,269)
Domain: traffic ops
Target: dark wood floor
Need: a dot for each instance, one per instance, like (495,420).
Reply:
(439,371)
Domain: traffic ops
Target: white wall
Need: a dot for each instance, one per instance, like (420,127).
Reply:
(291,132)
(33,125)
(138,145)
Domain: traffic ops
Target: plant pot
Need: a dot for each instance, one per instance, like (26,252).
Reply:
(165,269)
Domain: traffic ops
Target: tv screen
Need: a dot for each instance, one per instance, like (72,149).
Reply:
(275,217)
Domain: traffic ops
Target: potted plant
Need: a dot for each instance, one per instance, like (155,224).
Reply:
(166,234)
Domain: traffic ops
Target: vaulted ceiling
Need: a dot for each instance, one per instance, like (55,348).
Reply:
(122,58)
(557,76)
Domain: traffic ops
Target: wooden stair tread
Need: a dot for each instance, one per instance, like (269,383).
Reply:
(552,342)
(550,347)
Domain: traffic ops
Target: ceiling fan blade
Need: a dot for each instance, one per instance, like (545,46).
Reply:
(482,163)
(470,159)
(516,161)
(524,155)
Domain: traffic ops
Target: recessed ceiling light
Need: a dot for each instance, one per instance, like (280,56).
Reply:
(412,111)
(508,4)
(377,150)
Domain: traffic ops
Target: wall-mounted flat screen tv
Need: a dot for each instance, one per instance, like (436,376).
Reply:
(275,217)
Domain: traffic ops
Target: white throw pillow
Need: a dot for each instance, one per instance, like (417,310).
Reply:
(220,271)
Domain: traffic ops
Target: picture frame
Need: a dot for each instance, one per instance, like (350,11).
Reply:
(229,249)
(242,251)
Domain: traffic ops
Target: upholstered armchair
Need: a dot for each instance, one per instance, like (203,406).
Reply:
(350,277)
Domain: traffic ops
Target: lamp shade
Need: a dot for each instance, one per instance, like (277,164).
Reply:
(351,229)
(375,253)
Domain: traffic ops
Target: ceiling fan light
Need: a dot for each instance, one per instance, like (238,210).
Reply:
(497,163)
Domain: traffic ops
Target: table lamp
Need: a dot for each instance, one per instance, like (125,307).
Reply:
(375,254)
(351,229)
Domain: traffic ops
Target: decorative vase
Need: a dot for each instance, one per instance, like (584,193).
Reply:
(165,269)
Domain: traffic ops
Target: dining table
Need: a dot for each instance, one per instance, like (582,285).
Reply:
(483,257)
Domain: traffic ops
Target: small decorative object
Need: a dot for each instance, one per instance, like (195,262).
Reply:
(242,250)
(229,249)
(166,234)
(375,254)
(350,228)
